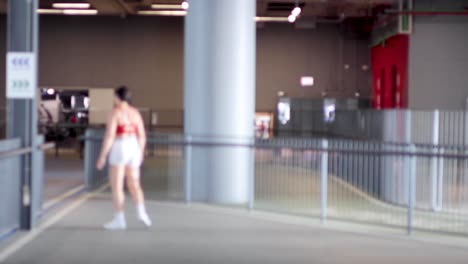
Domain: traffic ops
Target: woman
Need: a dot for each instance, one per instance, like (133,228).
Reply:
(124,141)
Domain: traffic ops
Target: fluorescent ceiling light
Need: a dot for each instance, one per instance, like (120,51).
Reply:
(50,11)
(166,6)
(271,19)
(80,12)
(163,13)
(67,12)
(71,5)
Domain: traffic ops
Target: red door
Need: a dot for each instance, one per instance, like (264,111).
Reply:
(389,73)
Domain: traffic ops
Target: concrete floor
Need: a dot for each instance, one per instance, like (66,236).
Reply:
(296,190)
(203,234)
(62,174)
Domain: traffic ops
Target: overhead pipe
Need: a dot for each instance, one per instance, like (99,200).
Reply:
(394,13)
(338,20)
(426,13)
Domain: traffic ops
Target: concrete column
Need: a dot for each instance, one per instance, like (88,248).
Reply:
(220,97)
(22,113)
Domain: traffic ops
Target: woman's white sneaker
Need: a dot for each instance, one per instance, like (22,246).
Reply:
(144,218)
(143,215)
(118,223)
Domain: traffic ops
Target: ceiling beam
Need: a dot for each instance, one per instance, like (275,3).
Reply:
(108,7)
(147,2)
(128,8)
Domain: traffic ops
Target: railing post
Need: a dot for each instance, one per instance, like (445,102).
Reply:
(411,188)
(88,157)
(324,182)
(152,124)
(250,205)
(436,197)
(56,140)
(188,169)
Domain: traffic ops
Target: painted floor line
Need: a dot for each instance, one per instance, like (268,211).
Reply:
(20,243)
(55,200)
(5,235)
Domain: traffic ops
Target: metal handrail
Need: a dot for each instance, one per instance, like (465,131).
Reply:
(359,140)
(22,151)
(332,150)
(47,146)
(15,152)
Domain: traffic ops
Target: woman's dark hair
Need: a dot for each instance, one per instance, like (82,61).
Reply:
(123,94)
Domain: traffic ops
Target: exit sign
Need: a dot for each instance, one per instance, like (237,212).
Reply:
(21,75)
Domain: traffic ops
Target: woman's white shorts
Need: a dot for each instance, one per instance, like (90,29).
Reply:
(125,152)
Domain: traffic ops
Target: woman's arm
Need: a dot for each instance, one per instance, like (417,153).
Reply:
(108,140)
(141,133)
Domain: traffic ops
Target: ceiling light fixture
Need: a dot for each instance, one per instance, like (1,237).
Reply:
(166,6)
(71,5)
(271,19)
(80,12)
(50,11)
(296,11)
(67,12)
(163,13)
(185,5)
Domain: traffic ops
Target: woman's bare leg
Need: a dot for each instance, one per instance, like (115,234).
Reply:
(116,178)
(134,186)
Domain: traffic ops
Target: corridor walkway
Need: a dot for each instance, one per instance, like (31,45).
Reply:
(206,234)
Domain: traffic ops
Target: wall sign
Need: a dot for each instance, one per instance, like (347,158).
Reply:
(307,81)
(21,75)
